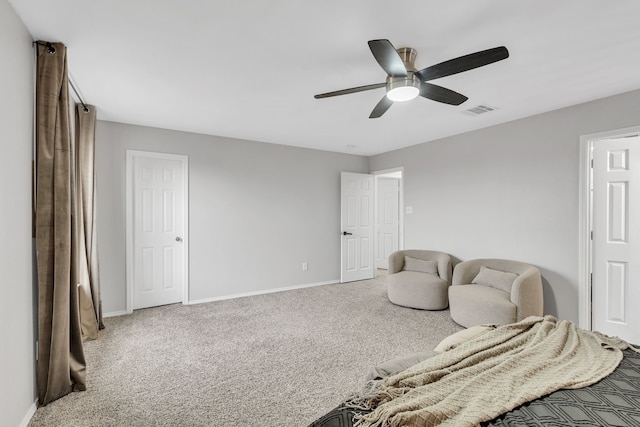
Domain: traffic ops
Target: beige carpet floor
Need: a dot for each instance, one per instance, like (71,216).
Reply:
(274,360)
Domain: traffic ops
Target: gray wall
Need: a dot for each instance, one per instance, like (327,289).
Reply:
(509,191)
(257,211)
(17,357)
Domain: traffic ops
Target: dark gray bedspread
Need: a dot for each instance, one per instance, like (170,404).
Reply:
(614,401)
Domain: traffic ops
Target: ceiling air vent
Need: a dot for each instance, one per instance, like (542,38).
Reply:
(480,109)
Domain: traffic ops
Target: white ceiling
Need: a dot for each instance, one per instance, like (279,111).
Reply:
(249,68)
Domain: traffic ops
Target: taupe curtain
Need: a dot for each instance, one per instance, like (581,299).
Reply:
(86,258)
(61,362)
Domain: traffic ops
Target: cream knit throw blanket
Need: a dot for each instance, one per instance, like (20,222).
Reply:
(490,375)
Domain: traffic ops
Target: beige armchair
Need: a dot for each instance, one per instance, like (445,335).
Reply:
(419,279)
(494,291)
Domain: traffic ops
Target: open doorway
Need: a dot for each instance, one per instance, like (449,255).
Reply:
(388,215)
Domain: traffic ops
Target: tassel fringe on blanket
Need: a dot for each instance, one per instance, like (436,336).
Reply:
(489,375)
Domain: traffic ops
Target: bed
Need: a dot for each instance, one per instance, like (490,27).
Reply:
(611,401)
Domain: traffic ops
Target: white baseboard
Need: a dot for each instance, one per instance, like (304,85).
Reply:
(27,418)
(114,313)
(240,295)
(268,291)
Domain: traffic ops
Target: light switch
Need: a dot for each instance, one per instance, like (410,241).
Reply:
(408,210)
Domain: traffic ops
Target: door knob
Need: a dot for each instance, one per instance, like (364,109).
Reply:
(344,233)
(178,239)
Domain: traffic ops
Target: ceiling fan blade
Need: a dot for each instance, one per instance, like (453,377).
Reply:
(350,90)
(441,94)
(381,107)
(388,57)
(463,63)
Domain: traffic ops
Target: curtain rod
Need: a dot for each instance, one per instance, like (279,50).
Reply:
(48,45)
(51,49)
(84,106)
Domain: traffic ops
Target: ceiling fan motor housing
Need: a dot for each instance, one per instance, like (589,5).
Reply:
(408,56)
(406,87)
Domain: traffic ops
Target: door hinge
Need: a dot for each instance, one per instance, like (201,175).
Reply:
(591,278)
(591,234)
(591,163)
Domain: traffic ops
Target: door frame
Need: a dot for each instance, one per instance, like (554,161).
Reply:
(129,224)
(585,203)
(376,175)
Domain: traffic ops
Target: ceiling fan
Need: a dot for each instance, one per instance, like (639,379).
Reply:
(405,82)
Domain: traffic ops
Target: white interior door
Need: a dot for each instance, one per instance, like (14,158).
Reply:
(616,238)
(158,222)
(387,225)
(357,226)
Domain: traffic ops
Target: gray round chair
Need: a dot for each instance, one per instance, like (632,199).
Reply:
(419,279)
(494,291)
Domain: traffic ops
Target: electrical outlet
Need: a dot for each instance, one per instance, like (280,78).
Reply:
(305,266)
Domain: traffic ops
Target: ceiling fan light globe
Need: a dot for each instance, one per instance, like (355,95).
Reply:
(403,93)
(401,89)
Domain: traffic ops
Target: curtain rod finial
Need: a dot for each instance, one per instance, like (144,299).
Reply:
(50,48)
